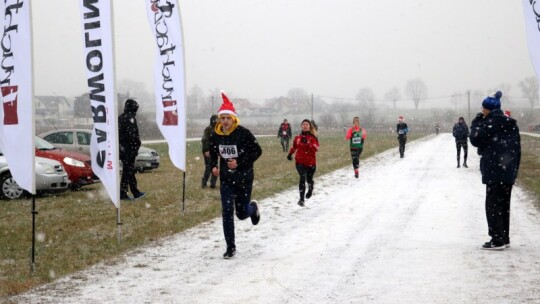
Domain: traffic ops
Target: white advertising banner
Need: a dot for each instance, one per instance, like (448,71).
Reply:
(96,17)
(531,11)
(17,111)
(169,76)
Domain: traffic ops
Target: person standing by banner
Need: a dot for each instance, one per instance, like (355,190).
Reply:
(356,136)
(285,133)
(130,142)
(499,144)
(205,141)
(402,129)
(237,150)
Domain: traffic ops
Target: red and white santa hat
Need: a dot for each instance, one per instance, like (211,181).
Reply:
(227,107)
(401,118)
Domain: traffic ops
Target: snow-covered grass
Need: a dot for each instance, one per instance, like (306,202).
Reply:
(407,231)
(78,229)
(530,166)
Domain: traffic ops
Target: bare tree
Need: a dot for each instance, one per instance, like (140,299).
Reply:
(365,96)
(506,89)
(194,98)
(136,90)
(328,120)
(394,95)
(416,89)
(529,89)
(81,107)
(367,102)
(455,99)
(300,100)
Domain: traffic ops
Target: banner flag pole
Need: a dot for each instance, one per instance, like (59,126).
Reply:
(34,213)
(183,193)
(98,40)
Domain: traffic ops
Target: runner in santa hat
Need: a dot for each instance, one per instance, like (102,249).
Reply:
(402,131)
(237,150)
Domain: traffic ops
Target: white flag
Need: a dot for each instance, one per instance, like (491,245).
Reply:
(169,76)
(96,17)
(17,111)
(531,11)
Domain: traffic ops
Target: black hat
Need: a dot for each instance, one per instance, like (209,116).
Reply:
(131,106)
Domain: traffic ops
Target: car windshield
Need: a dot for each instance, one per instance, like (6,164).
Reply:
(42,144)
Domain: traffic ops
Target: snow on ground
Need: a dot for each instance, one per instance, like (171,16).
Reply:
(407,231)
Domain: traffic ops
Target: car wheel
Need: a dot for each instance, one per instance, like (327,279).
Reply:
(10,188)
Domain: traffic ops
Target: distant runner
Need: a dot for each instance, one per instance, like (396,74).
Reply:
(356,136)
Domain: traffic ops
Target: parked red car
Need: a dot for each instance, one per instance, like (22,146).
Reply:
(77,165)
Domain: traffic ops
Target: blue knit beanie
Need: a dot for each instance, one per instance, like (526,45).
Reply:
(492,102)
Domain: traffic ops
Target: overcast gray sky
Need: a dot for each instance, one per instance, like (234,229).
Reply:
(260,48)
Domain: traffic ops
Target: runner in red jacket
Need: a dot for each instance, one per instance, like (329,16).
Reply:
(306,146)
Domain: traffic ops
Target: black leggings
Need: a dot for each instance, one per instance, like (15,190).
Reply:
(465,148)
(306,173)
(355,155)
(402,141)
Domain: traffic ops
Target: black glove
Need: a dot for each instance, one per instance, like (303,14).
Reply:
(304,140)
(478,117)
(289,157)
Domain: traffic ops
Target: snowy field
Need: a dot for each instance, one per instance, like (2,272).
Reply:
(407,231)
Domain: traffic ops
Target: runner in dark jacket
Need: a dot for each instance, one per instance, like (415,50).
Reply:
(285,133)
(237,150)
(306,146)
(461,133)
(499,145)
(402,129)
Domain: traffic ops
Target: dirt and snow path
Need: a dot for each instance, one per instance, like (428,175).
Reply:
(407,231)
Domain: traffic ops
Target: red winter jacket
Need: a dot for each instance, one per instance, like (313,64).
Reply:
(305,145)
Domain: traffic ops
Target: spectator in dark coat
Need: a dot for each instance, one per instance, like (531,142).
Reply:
(285,133)
(205,141)
(130,142)
(461,133)
(499,145)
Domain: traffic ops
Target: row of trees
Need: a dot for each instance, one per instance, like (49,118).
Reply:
(297,100)
(415,90)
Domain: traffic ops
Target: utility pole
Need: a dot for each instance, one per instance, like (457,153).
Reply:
(212,107)
(312,106)
(469,104)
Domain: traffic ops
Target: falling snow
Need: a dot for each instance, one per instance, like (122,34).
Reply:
(407,231)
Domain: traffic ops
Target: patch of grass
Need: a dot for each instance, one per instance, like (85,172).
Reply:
(78,229)
(529,169)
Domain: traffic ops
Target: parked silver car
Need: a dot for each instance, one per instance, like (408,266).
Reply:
(50,178)
(79,140)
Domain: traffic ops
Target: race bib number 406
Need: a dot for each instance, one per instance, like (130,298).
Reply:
(228,151)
